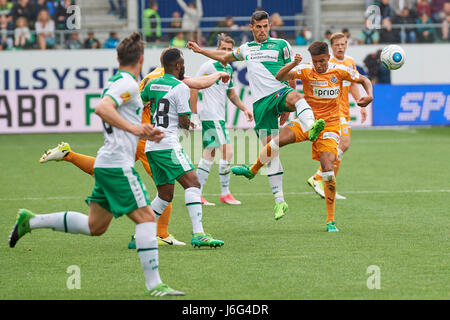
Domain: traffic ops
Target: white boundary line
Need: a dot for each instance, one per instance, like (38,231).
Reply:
(243,194)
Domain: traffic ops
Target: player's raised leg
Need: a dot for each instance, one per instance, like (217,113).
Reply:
(63,152)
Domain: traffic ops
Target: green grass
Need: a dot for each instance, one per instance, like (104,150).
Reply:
(396,217)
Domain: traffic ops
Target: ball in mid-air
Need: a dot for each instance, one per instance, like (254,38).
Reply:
(393,57)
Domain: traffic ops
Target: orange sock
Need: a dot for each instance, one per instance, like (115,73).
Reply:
(265,155)
(85,163)
(317,176)
(329,183)
(336,166)
(162,226)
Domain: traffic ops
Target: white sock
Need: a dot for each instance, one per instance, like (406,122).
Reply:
(147,249)
(158,206)
(66,221)
(224,176)
(340,154)
(194,206)
(305,114)
(275,175)
(204,166)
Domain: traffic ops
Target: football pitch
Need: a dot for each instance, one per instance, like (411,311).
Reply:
(393,241)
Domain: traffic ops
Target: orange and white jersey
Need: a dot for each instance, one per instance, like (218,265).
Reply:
(158,72)
(344,103)
(322,90)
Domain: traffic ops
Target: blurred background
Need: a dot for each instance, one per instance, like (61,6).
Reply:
(57,55)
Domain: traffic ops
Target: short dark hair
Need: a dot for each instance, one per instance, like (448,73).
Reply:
(318,47)
(225,38)
(258,16)
(130,49)
(170,57)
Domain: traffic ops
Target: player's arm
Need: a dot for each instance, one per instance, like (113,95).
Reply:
(219,55)
(206,81)
(354,90)
(286,73)
(367,85)
(106,110)
(232,95)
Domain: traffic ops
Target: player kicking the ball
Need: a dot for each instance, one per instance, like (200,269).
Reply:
(272,98)
(212,116)
(322,82)
(118,189)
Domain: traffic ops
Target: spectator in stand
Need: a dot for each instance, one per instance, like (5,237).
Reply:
(74,41)
(376,71)
(350,40)
(304,38)
(5,40)
(178,41)
(225,26)
(191,18)
(443,17)
(436,7)
(327,35)
(387,34)
(400,5)
(47,5)
(5,7)
(91,42)
(61,14)
(45,30)
(151,23)
(23,8)
(423,6)
(113,8)
(425,34)
(369,35)
(175,24)
(406,16)
(113,41)
(386,10)
(276,21)
(22,34)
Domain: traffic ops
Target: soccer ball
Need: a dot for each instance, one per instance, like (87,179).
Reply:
(393,57)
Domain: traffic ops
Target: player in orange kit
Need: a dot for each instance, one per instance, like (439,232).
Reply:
(322,84)
(86,163)
(338,46)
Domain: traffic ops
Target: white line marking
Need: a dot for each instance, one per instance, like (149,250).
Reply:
(242,194)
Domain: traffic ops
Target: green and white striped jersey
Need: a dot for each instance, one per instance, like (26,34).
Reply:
(214,97)
(169,98)
(119,148)
(264,60)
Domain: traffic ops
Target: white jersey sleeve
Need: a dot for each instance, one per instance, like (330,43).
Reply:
(239,53)
(182,95)
(121,91)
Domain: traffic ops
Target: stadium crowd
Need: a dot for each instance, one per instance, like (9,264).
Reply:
(32,24)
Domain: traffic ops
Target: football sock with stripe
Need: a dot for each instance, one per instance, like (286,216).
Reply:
(147,249)
(275,175)
(305,114)
(204,166)
(158,206)
(65,221)
(224,176)
(194,206)
(85,163)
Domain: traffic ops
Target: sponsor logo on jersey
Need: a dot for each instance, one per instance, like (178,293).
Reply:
(125,96)
(263,55)
(326,93)
(319,83)
(333,79)
(279,93)
(331,135)
(160,87)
